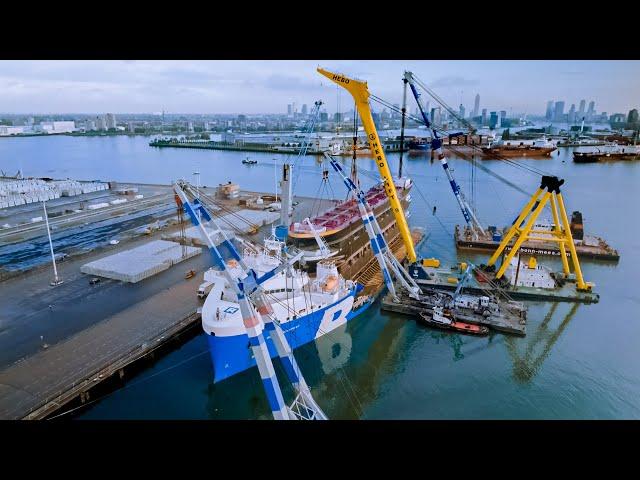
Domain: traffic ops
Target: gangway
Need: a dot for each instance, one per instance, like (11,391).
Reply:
(257,315)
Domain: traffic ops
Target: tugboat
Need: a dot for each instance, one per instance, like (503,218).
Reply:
(445,320)
(246,161)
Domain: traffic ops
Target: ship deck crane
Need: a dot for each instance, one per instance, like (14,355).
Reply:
(436,147)
(257,315)
(463,280)
(323,249)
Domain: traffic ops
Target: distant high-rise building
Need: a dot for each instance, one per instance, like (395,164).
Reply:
(572,113)
(304,109)
(549,113)
(592,110)
(337,117)
(633,116)
(130,127)
(101,123)
(484,116)
(558,113)
(324,117)
(581,109)
(190,127)
(435,116)
(289,110)
(205,126)
(618,118)
(110,121)
(89,125)
(395,114)
(293,107)
(493,120)
(461,111)
(476,105)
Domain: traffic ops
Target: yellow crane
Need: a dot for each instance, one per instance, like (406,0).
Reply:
(360,93)
(548,193)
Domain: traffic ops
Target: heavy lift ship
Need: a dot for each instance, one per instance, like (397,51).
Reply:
(410,299)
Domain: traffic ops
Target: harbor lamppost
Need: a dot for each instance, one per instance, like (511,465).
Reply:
(56,279)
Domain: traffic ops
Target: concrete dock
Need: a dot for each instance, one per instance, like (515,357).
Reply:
(47,381)
(64,346)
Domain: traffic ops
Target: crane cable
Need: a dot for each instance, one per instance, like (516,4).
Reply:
(530,169)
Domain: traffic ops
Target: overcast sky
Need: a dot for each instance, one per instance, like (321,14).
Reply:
(259,86)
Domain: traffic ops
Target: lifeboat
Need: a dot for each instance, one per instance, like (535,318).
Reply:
(330,284)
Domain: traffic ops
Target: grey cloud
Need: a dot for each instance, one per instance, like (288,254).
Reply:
(287,82)
(453,81)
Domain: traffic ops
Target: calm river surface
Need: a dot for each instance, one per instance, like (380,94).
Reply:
(576,362)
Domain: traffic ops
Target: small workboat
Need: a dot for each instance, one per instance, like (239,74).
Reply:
(190,274)
(246,161)
(439,319)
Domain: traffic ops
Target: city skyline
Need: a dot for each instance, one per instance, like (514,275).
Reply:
(267,87)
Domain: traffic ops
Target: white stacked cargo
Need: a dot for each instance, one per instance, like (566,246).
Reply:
(141,262)
(139,196)
(38,190)
(118,201)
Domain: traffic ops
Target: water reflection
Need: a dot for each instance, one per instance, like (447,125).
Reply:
(537,345)
(349,388)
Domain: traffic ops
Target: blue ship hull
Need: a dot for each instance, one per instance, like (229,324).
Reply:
(232,355)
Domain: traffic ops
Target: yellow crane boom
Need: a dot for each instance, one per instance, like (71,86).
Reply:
(360,93)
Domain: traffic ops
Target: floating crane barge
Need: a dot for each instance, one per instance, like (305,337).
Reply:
(406,297)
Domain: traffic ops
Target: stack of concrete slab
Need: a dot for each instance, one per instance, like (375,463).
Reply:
(141,262)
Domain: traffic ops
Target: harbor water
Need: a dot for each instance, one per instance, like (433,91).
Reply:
(576,361)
